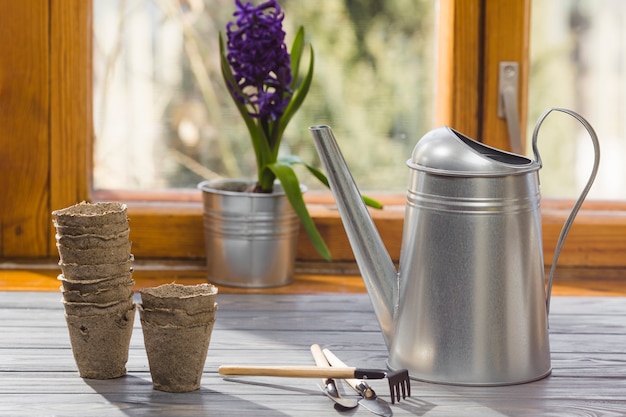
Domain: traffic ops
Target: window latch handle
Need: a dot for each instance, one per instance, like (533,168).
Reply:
(508,85)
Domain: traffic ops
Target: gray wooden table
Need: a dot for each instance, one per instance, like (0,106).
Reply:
(38,375)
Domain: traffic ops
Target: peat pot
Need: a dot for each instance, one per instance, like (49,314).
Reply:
(250,238)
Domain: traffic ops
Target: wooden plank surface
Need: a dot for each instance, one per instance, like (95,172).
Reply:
(38,375)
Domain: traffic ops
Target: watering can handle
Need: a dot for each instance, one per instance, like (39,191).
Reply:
(583,195)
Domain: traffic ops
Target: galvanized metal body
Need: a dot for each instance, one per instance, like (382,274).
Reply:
(250,238)
(471,306)
(468,305)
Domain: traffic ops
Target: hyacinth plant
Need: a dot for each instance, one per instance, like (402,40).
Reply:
(262,77)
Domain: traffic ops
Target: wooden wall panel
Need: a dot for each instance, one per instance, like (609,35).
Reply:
(24,132)
(474,37)
(459,63)
(70,104)
(506,38)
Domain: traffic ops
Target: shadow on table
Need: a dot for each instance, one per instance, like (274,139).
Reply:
(413,405)
(134,397)
(529,399)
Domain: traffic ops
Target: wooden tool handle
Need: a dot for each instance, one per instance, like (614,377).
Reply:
(318,355)
(336,362)
(288,371)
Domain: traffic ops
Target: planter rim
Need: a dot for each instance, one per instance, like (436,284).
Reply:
(173,292)
(215,186)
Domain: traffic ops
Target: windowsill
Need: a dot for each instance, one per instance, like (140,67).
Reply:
(174,230)
(42,276)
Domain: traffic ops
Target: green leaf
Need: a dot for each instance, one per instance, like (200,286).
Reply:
(293,160)
(298,97)
(371,202)
(296,160)
(295,55)
(291,186)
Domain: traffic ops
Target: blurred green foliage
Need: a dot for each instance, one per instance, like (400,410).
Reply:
(373,84)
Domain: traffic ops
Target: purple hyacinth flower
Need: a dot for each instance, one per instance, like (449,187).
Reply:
(258,56)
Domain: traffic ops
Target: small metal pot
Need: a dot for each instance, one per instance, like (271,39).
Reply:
(250,238)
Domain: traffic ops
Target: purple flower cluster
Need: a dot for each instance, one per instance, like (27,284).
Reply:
(259,58)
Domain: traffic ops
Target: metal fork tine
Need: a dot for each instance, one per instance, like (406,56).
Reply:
(399,381)
(393,391)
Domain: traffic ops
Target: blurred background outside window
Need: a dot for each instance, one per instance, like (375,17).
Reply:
(578,61)
(163,118)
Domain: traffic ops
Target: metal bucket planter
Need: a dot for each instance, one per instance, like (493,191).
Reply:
(250,238)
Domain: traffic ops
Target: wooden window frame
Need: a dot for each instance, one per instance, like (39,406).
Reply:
(46,132)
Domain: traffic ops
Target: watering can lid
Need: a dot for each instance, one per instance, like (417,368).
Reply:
(445,151)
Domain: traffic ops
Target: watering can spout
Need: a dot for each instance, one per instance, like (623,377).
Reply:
(377,268)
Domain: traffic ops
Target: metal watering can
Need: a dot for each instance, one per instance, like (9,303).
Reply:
(469,305)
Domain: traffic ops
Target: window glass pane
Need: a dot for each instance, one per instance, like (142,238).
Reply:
(163,118)
(578,61)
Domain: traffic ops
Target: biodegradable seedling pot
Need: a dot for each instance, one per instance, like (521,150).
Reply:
(98,309)
(100,343)
(105,230)
(91,214)
(101,295)
(92,285)
(90,240)
(96,255)
(176,317)
(190,298)
(79,272)
(176,355)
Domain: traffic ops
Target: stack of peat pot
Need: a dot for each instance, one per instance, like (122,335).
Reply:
(177,321)
(97,285)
